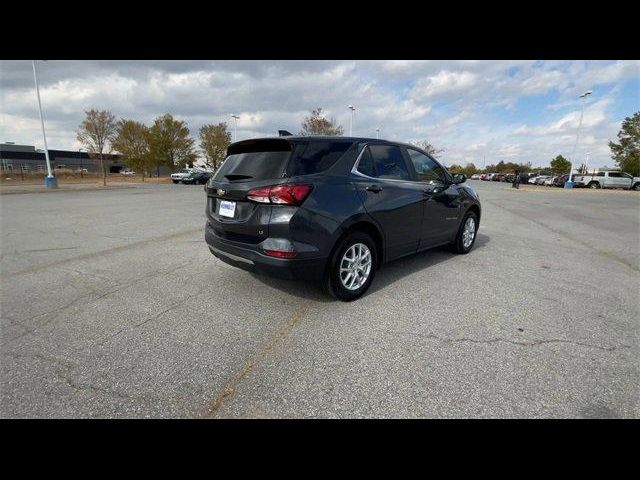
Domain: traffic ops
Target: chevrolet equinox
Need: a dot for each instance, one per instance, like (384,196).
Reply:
(334,209)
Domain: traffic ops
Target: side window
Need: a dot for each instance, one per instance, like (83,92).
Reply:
(365,166)
(600,174)
(389,162)
(614,174)
(426,168)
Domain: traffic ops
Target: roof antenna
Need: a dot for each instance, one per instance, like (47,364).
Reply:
(284,133)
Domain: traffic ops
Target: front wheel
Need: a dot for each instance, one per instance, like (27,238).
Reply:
(594,185)
(636,187)
(466,236)
(352,267)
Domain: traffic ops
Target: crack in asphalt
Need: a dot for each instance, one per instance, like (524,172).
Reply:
(56,312)
(533,343)
(229,389)
(108,251)
(567,236)
(62,371)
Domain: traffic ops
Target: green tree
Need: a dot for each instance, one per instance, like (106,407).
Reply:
(95,133)
(469,169)
(132,141)
(170,143)
(455,168)
(317,124)
(626,152)
(214,140)
(560,165)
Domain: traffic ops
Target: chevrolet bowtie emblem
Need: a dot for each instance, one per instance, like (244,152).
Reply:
(220,192)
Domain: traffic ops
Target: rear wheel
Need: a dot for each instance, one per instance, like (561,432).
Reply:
(352,267)
(466,236)
(594,185)
(636,186)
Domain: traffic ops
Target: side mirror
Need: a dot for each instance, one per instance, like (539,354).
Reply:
(459,178)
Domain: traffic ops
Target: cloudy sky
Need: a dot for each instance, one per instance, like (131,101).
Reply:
(480,111)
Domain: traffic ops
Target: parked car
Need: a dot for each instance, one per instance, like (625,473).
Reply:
(510,177)
(561,180)
(475,176)
(181,175)
(334,209)
(541,179)
(199,177)
(548,182)
(607,180)
(532,179)
(484,177)
(126,171)
(496,177)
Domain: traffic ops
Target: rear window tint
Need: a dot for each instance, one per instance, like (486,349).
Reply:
(314,157)
(253,166)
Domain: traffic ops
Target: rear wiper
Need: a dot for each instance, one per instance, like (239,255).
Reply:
(237,176)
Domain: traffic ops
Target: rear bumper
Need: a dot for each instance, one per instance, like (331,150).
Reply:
(252,260)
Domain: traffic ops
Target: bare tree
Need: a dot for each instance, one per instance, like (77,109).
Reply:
(427,147)
(317,124)
(214,140)
(95,133)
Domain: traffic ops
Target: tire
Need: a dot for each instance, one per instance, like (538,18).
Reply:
(335,281)
(458,245)
(636,187)
(594,185)
(175,181)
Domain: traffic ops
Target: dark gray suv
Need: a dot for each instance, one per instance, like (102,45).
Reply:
(334,209)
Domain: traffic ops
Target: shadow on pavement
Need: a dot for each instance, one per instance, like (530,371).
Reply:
(387,275)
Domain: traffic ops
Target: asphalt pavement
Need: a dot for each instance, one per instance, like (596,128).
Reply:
(112,306)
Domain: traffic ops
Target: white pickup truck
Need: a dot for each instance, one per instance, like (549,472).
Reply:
(608,180)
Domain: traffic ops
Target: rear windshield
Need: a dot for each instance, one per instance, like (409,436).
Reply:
(271,159)
(314,157)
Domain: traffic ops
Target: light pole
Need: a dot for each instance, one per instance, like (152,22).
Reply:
(377,133)
(80,152)
(353,110)
(49,181)
(235,128)
(586,163)
(569,183)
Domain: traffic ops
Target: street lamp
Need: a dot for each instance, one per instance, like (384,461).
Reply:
(235,128)
(377,133)
(81,170)
(49,181)
(353,110)
(569,183)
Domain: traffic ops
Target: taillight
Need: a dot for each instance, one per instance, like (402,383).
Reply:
(279,253)
(286,194)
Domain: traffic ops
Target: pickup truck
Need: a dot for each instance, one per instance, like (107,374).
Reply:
(607,180)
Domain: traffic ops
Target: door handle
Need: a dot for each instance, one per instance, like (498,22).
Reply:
(373,188)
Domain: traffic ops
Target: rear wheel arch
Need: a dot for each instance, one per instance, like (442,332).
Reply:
(365,227)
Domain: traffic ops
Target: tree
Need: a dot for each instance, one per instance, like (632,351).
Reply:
(214,140)
(455,168)
(427,147)
(469,169)
(132,141)
(626,153)
(560,165)
(317,124)
(170,143)
(96,133)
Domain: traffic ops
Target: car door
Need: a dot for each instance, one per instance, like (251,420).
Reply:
(442,206)
(383,181)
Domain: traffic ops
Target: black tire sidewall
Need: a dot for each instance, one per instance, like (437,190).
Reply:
(333,277)
(459,246)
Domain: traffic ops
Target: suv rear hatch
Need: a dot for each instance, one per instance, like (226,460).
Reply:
(263,170)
